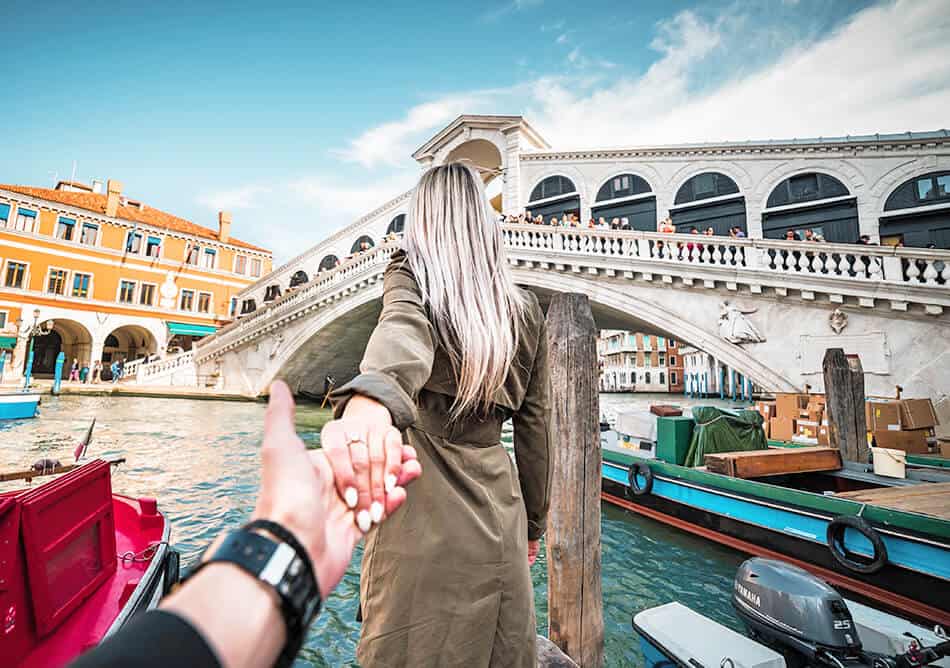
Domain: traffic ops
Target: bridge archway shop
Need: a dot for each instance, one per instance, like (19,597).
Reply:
(710,199)
(364,243)
(627,196)
(554,196)
(811,201)
(918,212)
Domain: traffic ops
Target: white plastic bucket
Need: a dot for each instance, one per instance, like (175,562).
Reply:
(890,463)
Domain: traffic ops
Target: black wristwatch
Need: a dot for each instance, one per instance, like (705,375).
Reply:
(285,566)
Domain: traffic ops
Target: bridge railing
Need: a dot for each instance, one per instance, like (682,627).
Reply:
(852,261)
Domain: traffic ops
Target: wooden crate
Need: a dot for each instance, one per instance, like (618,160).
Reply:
(760,463)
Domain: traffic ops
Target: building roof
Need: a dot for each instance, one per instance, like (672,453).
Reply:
(96,202)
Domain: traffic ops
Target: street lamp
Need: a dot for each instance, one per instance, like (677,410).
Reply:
(36,329)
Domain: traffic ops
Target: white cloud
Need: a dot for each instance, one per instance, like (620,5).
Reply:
(509,7)
(562,38)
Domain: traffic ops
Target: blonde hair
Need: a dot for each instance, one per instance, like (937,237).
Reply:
(454,248)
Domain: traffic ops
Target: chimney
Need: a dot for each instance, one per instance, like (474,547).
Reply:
(97,186)
(114,192)
(224,226)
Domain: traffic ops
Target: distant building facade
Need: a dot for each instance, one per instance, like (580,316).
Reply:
(633,362)
(118,279)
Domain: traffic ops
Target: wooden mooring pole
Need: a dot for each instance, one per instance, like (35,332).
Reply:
(575,614)
(844,402)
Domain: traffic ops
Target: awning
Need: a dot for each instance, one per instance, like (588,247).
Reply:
(188,329)
(8,342)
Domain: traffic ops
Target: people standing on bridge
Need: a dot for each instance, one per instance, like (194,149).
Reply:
(458,350)
(625,224)
(791,235)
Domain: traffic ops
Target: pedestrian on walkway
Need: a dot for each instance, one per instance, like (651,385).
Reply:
(74,371)
(97,372)
(458,350)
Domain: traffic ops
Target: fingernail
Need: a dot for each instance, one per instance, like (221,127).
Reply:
(376,511)
(363,520)
(390,483)
(351,496)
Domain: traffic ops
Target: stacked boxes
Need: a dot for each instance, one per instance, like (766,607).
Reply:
(812,425)
(767,410)
(901,424)
(783,425)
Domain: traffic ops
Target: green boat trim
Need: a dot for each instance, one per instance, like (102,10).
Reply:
(886,517)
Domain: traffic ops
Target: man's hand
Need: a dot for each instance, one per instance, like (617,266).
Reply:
(534,546)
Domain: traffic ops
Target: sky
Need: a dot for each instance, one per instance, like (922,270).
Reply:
(299,118)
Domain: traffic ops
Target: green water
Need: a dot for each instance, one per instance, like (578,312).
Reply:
(200,459)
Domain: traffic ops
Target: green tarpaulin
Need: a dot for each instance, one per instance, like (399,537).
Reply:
(7,342)
(720,430)
(187,329)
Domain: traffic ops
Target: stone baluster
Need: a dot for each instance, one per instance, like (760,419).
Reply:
(913,272)
(930,273)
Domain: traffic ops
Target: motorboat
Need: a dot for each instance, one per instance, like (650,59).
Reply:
(18,404)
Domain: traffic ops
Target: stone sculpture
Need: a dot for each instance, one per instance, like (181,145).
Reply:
(735,327)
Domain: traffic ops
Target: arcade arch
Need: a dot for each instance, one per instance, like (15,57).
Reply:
(67,336)
(813,201)
(709,199)
(364,243)
(627,196)
(128,342)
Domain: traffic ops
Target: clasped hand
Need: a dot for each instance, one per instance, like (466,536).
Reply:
(329,497)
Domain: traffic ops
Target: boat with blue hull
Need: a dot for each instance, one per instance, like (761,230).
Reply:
(898,560)
(18,405)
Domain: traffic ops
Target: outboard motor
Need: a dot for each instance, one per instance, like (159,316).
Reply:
(798,615)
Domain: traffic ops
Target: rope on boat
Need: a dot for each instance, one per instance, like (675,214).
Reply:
(143,555)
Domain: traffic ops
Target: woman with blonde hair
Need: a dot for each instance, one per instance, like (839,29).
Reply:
(457,351)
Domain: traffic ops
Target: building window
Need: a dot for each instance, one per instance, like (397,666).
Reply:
(192,257)
(240,264)
(662,378)
(3,319)
(25,219)
(153,247)
(662,359)
(647,361)
(89,234)
(126,292)
(16,274)
(232,309)
(553,186)
(204,302)
(625,185)
(672,378)
(647,378)
(133,242)
(65,228)
(81,284)
(255,267)
(672,360)
(147,294)
(671,343)
(56,285)
(208,257)
(4,213)
(187,302)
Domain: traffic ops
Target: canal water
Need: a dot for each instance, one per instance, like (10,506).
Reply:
(200,459)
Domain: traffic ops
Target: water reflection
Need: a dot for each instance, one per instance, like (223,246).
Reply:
(200,459)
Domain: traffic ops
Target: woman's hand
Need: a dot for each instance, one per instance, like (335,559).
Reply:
(370,463)
(297,491)
(534,547)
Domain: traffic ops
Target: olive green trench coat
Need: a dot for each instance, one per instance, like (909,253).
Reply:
(445,581)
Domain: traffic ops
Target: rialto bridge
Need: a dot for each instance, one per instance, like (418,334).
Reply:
(761,305)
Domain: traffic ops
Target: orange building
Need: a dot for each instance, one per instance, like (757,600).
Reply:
(117,278)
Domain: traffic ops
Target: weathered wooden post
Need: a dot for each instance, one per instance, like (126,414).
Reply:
(575,614)
(844,402)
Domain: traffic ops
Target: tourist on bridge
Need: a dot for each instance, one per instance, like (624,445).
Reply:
(458,350)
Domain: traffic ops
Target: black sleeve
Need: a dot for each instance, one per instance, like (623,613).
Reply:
(155,639)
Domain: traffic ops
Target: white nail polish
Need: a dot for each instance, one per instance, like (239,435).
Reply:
(351,496)
(376,511)
(390,483)
(363,520)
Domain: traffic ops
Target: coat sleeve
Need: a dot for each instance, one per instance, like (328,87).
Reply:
(532,441)
(399,355)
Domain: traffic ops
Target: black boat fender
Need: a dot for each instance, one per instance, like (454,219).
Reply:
(835,535)
(641,469)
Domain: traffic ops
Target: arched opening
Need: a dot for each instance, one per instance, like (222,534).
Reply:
(627,196)
(485,157)
(811,201)
(68,337)
(554,197)
(361,245)
(328,262)
(299,278)
(903,221)
(248,306)
(272,292)
(128,343)
(711,200)
(397,224)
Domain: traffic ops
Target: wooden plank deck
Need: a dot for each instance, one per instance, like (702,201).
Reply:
(774,461)
(931,498)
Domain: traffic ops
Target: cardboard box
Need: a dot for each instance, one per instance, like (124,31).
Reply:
(782,428)
(824,437)
(807,428)
(918,414)
(945,449)
(913,441)
(766,409)
(790,405)
(815,414)
(883,415)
